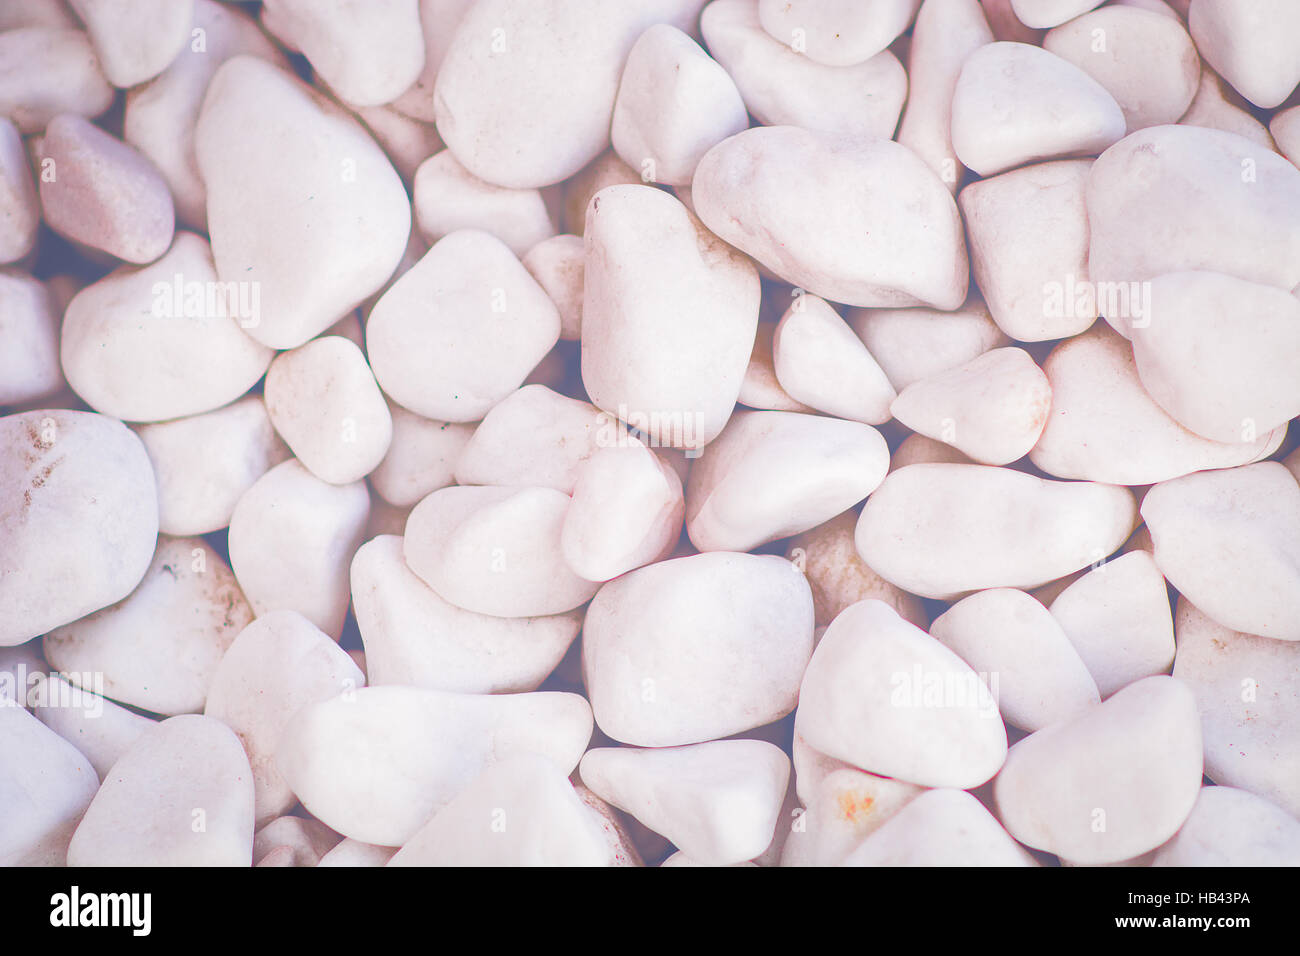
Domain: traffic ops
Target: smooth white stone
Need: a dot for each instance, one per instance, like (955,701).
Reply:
(627,510)
(652,270)
(159,648)
(1248,692)
(773,474)
(1254,46)
(407,142)
(204,463)
(718,802)
(292,841)
(519,812)
(821,362)
(78,518)
(19,204)
(674,104)
(276,665)
(845,806)
(838,576)
(376,764)
(535,436)
(557,264)
(495,550)
(161,115)
(945,33)
(1044,14)
(318,219)
(1219,354)
(697,648)
(48,70)
(367,54)
(136,40)
(1145,60)
(292,538)
(912,344)
(98,191)
(47,785)
(461,329)
(1028,234)
(100,729)
(181,795)
(141,346)
(449,197)
(1111,783)
(941,828)
(414,637)
(323,401)
(1117,617)
(1230,828)
(776,193)
(421,458)
(1153,183)
(29,338)
(938,530)
(1229,541)
(515,104)
(1105,426)
(1034,672)
(1015,103)
(991,409)
(355,853)
(782,87)
(886,697)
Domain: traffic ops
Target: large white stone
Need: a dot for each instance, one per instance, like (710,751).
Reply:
(668,317)
(1111,783)
(376,764)
(46,784)
(773,474)
(461,329)
(1230,828)
(884,696)
(136,39)
(1254,46)
(449,197)
(48,70)
(1035,674)
(323,400)
(78,518)
(318,219)
(1015,103)
(697,648)
(1229,541)
(718,802)
(938,530)
(182,795)
(1117,617)
(912,344)
(991,409)
(292,538)
(942,827)
(100,729)
(1248,693)
(777,194)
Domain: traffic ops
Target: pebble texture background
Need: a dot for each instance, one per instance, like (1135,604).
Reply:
(650,432)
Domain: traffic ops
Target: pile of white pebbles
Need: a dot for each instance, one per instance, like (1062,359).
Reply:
(621,432)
